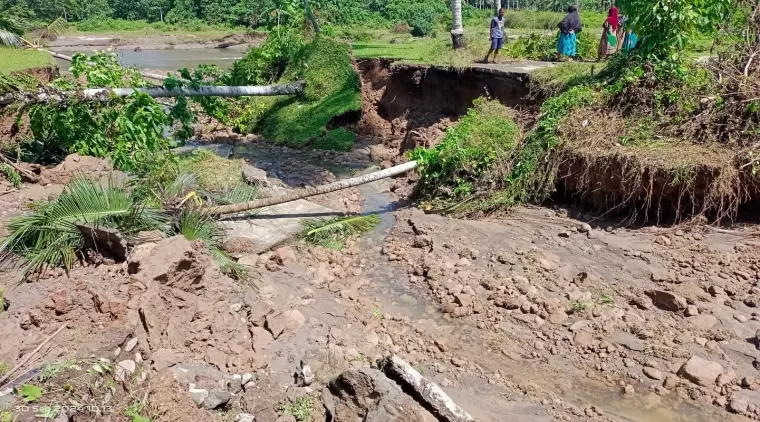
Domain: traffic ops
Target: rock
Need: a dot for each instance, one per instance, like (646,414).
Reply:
(261,339)
(287,322)
(117,352)
(737,404)
(580,324)
(198,395)
(583,339)
(584,228)
(125,369)
(254,176)
(247,377)
(700,371)
(703,322)
(728,376)
(629,363)
(216,399)
(720,401)
(691,310)
(138,255)
(286,418)
(108,242)
(235,384)
(558,317)
(667,301)
(245,417)
(740,318)
(653,373)
(131,344)
(671,382)
(368,395)
(285,255)
(628,389)
(163,358)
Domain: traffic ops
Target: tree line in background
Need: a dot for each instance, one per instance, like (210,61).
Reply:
(259,13)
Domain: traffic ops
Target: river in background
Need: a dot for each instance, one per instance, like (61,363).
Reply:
(170,60)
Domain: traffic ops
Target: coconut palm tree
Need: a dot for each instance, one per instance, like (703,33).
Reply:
(457,31)
(10,31)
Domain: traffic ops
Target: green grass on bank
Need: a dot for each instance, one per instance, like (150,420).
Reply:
(332,90)
(436,49)
(12,59)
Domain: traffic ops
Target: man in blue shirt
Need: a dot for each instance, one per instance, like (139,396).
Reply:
(497,35)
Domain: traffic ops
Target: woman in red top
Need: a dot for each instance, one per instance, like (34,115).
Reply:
(608,43)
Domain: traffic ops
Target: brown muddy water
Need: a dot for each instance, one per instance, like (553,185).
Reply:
(170,60)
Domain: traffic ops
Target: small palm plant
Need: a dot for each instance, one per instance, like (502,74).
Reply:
(49,236)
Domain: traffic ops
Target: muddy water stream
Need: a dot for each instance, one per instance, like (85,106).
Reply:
(397,295)
(166,59)
(390,286)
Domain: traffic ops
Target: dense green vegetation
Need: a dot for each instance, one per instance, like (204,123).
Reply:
(332,89)
(461,164)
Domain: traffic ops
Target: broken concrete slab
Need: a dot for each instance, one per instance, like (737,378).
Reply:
(273,225)
(222,150)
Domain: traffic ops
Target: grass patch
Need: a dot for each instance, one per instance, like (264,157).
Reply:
(11,174)
(14,59)
(556,79)
(471,156)
(4,366)
(6,416)
(300,408)
(338,139)
(332,89)
(213,173)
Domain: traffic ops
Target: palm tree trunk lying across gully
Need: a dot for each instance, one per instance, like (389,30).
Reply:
(305,193)
(148,75)
(105,94)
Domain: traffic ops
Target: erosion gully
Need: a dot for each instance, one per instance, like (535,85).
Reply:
(419,97)
(392,288)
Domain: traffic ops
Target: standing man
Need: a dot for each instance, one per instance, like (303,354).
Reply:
(497,35)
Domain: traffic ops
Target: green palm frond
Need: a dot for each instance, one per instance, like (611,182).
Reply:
(49,235)
(9,39)
(333,233)
(57,27)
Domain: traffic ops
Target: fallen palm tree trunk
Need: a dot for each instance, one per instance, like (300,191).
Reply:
(148,75)
(317,190)
(426,392)
(105,94)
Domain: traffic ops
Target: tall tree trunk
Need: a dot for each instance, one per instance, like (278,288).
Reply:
(105,94)
(457,31)
(497,6)
(310,15)
(305,193)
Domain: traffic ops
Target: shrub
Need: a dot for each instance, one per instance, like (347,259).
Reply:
(536,46)
(337,139)
(466,156)
(332,89)
(265,64)
(422,19)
